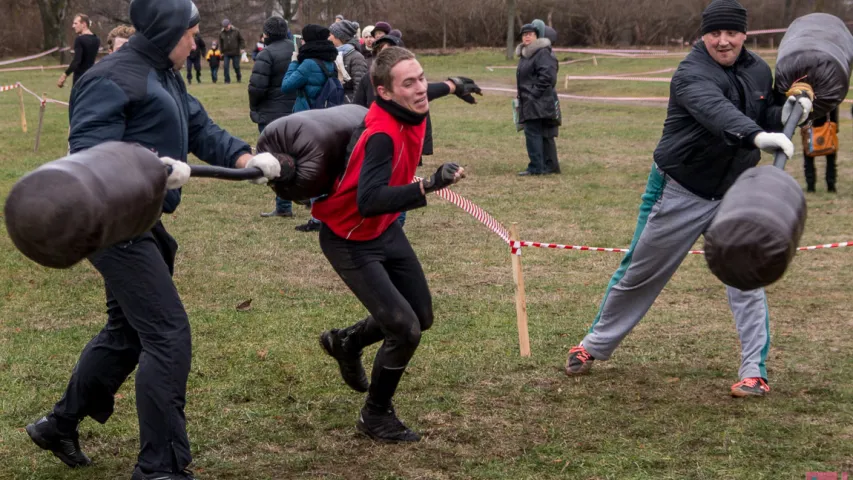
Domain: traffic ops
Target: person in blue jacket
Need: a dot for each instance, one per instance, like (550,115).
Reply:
(137,95)
(305,77)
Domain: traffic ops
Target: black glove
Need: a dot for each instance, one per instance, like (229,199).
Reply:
(465,87)
(443,177)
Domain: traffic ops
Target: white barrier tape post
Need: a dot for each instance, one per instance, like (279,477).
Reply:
(520,297)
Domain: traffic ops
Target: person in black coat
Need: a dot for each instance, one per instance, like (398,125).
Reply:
(536,77)
(194,59)
(266,100)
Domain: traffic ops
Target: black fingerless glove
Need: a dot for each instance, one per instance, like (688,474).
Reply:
(465,87)
(443,177)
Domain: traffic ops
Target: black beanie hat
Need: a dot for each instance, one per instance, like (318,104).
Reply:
(315,33)
(724,15)
(391,40)
(275,28)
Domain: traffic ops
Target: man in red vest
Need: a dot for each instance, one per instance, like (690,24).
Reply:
(367,247)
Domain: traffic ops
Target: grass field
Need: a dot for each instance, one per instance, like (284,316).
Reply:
(264,402)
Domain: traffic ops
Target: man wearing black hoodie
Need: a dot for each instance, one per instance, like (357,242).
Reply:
(136,95)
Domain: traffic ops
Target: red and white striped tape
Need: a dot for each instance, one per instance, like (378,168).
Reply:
(515,245)
(24,69)
(6,88)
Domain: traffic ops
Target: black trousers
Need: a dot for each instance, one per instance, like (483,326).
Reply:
(541,146)
(387,278)
(147,327)
(811,176)
(193,62)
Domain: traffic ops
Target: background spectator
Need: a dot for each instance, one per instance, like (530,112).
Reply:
(232,44)
(86,47)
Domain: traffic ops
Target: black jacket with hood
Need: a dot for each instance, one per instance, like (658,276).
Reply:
(536,77)
(266,100)
(135,95)
(713,116)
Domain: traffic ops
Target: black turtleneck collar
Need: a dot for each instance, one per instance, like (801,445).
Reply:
(399,112)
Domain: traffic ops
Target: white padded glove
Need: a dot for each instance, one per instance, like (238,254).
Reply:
(268,164)
(789,107)
(771,142)
(180,173)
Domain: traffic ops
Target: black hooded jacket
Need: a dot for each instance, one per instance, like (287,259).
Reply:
(713,116)
(135,95)
(266,100)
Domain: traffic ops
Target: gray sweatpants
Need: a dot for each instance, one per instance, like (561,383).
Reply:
(671,220)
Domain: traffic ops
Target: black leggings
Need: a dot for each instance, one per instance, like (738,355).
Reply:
(386,276)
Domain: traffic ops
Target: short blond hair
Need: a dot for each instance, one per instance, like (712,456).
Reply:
(121,31)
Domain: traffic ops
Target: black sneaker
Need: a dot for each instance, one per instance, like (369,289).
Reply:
(139,474)
(352,371)
(311,226)
(66,448)
(385,427)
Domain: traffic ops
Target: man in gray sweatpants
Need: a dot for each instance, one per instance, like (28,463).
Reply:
(721,100)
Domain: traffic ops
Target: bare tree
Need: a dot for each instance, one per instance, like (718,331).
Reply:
(510,24)
(53,13)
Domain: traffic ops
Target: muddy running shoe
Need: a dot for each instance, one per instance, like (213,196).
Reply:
(579,361)
(385,427)
(140,474)
(46,435)
(352,371)
(311,226)
(750,387)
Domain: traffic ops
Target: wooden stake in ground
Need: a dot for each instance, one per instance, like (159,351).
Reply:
(594,61)
(41,121)
(23,113)
(520,298)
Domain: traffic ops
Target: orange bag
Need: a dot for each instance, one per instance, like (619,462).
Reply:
(820,141)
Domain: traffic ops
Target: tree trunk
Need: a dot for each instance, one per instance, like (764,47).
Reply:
(510,31)
(53,14)
(444,30)
(819,6)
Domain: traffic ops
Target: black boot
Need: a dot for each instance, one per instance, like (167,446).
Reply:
(66,447)
(335,343)
(140,474)
(382,425)
(809,171)
(830,173)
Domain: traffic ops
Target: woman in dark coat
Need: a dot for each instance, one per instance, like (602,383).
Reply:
(538,109)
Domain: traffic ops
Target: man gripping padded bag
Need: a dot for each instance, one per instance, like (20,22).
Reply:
(367,247)
(721,103)
(136,96)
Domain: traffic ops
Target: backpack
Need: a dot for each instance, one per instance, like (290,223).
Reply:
(332,93)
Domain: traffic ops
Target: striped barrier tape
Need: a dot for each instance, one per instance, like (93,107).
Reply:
(6,88)
(24,69)
(516,245)
(581,97)
(33,57)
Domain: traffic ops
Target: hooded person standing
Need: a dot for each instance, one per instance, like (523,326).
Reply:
(267,102)
(137,95)
(721,104)
(231,43)
(538,108)
(194,59)
(341,34)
